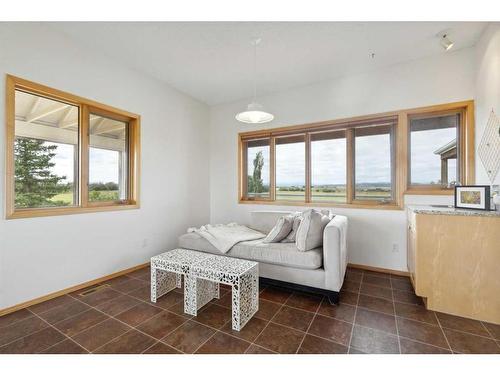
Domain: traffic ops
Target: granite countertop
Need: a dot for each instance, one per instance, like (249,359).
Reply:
(446,210)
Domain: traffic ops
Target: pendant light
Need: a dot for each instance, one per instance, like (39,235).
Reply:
(255,113)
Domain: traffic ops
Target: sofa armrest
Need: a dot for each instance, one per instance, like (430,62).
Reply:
(335,252)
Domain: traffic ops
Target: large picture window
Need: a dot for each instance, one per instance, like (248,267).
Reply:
(374,166)
(365,162)
(290,168)
(328,167)
(67,154)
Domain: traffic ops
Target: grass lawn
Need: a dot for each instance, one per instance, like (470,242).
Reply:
(337,197)
(66,197)
(107,195)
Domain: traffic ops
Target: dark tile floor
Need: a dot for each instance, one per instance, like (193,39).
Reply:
(378,313)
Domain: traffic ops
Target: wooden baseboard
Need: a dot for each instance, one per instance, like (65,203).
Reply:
(378,269)
(59,293)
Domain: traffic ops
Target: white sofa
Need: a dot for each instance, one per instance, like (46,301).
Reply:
(321,270)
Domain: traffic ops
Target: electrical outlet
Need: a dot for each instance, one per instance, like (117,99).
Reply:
(395,248)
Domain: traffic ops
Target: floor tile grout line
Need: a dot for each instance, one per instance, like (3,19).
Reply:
(90,308)
(353,323)
(62,333)
(395,320)
(441,326)
(423,342)
(276,313)
(113,339)
(467,333)
(310,324)
(112,317)
(20,320)
(159,342)
(208,326)
(24,336)
(250,342)
(355,314)
(442,331)
(487,330)
(363,308)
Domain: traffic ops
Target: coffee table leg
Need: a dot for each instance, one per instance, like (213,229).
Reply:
(153,284)
(216,290)
(236,307)
(190,298)
(179,280)
(245,298)
(162,282)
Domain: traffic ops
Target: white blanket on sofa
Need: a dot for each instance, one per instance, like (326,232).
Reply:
(224,236)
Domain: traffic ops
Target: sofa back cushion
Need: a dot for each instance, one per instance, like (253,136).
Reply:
(264,221)
(311,228)
(297,219)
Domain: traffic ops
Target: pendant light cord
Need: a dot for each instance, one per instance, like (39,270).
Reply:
(255,42)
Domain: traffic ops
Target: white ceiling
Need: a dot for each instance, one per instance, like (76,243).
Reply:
(213,61)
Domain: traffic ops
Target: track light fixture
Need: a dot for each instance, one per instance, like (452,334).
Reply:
(446,43)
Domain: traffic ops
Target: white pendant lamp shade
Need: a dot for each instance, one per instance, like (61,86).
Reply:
(254,114)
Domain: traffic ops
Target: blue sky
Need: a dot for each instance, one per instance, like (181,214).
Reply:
(328,160)
(372,159)
(103,163)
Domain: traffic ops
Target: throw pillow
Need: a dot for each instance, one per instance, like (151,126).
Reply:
(281,229)
(295,226)
(310,232)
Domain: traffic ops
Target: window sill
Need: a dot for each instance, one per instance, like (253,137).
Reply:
(44,212)
(429,191)
(373,206)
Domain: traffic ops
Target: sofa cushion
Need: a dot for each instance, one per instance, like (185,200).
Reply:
(291,237)
(281,229)
(283,254)
(264,221)
(311,228)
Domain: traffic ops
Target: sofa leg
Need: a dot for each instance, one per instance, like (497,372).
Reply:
(333,298)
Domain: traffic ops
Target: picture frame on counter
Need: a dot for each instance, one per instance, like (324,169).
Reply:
(473,197)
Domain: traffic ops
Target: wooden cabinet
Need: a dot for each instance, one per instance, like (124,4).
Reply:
(454,262)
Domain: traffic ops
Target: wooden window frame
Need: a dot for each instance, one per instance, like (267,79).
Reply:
(465,143)
(85,107)
(399,157)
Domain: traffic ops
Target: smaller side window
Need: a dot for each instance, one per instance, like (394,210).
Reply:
(434,151)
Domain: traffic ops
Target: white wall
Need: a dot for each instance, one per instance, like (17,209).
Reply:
(487,88)
(42,255)
(372,233)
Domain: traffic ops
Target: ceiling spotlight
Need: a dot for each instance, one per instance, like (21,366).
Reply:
(446,43)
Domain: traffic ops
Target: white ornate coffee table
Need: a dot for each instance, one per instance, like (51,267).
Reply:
(202,275)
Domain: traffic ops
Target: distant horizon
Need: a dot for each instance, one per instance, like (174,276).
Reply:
(297,184)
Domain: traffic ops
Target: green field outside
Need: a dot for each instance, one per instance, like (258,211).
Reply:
(66,197)
(107,195)
(338,196)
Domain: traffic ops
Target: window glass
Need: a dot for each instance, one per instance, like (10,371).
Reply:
(373,163)
(433,150)
(45,152)
(108,166)
(290,168)
(328,167)
(258,168)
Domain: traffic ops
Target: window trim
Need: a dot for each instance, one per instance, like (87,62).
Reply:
(465,141)
(85,106)
(400,157)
